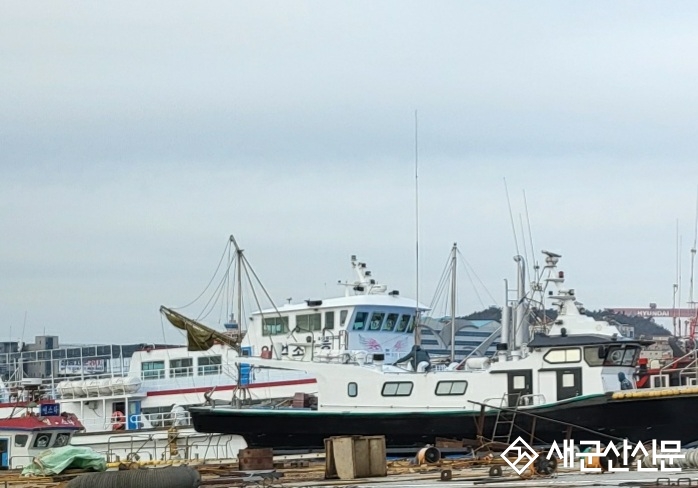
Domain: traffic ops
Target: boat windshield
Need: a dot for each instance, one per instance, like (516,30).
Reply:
(621,356)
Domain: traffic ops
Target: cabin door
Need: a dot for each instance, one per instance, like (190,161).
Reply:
(569,383)
(519,384)
(4,453)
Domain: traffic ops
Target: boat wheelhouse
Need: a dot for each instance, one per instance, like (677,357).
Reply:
(24,437)
(367,319)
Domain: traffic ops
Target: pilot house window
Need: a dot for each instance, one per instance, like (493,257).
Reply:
(376,320)
(557,356)
(309,322)
(329,320)
(275,326)
(390,322)
(153,370)
(360,320)
(405,321)
(180,368)
(209,365)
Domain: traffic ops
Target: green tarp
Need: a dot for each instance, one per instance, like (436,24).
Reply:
(56,460)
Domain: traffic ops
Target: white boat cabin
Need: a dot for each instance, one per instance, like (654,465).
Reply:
(368,319)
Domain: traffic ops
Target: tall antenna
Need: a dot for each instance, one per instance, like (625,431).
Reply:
(416,218)
(676,320)
(679,280)
(511,216)
(534,263)
(692,303)
(454,253)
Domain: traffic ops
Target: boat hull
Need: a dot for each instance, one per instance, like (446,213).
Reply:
(593,418)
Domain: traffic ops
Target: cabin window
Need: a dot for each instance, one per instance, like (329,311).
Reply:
(376,321)
(410,326)
(360,320)
(153,370)
(343,317)
(42,441)
(567,380)
(352,389)
(309,322)
(397,388)
(630,356)
(620,356)
(594,355)
(390,322)
(61,440)
(557,356)
(329,320)
(275,326)
(404,322)
(451,388)
(181,368)
(209,365)
(21,440)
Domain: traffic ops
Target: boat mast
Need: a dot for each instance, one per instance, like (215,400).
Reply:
(454,252)
(521,312)
(676,319)
(691,302)
(238,280)
(417,334)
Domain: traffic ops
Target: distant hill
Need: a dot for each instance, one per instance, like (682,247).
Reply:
(643,327)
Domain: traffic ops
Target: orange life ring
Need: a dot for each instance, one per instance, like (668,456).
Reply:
(118,420)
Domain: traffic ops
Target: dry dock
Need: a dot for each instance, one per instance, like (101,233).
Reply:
(400,473)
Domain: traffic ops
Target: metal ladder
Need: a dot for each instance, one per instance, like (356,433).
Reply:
(504,422)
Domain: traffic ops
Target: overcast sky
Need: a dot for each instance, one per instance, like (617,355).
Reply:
(135,137)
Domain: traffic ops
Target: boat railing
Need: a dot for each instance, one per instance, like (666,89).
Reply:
(181,372)
(209,369)
(187,447)
(531,400)
(496,402)
(138,445)
(153,374)
(165,419)
(675,365)
(141,421)
(209,447)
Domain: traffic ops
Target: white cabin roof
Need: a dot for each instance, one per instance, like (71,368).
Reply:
(384,300)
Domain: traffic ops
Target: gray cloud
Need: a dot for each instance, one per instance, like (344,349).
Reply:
(134,138)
